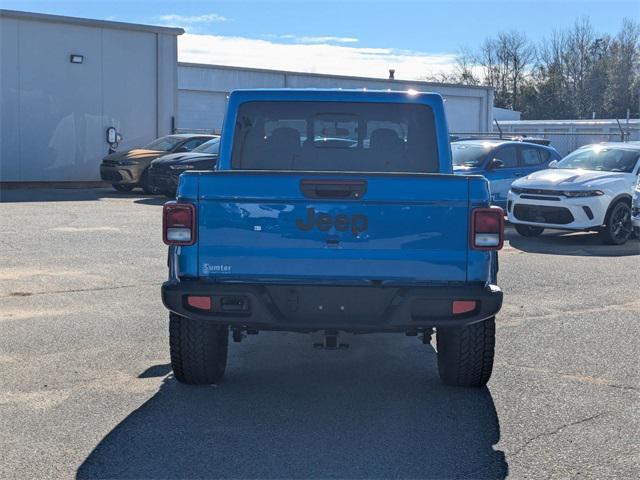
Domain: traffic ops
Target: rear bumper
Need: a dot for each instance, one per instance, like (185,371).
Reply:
(358,309)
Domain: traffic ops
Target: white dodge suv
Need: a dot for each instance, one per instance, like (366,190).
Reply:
(589,189)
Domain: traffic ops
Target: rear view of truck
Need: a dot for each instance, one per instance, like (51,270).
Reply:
(332,212)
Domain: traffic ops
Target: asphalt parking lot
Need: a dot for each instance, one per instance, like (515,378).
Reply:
(86,388)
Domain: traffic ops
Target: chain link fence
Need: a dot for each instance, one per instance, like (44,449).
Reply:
(564,135)
(563,142)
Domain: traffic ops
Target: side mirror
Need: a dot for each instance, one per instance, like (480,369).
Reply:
(181,149)
(553,164)
(495,163)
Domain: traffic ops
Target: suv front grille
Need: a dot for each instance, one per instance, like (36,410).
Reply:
(111,176)
(535,191)
(543,214)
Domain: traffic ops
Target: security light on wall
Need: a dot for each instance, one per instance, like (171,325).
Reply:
(76,58)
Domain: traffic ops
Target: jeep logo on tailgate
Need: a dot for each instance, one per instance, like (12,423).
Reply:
(323,221)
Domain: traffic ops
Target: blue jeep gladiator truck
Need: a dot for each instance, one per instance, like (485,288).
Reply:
(333,212)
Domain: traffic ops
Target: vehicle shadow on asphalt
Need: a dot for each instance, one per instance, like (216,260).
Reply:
(558,242)
(70,195)
(161,200)
(359,413)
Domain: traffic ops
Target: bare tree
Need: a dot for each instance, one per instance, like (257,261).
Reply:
(578,60)
(465,66)
(623,71)
(519,53)
(549,98)
(462,73)
(573,74)
(505,61)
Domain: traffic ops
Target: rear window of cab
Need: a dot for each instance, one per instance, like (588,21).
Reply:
(335,136)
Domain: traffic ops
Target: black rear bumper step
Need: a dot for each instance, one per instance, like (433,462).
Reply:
(307,308)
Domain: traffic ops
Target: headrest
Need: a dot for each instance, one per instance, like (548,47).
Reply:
(285,135)
(385,138)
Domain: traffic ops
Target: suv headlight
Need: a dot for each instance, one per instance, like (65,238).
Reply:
(583,193)
(181,167)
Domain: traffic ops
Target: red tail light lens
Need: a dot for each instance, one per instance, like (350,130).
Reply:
(463,306)
(201,303)
(179,223)
(487,228)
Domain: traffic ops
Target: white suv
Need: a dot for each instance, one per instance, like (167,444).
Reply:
(589,189)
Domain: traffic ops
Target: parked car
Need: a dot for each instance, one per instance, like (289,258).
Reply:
(128,169)
(501,162)
(165,171)
(589,189)
(327,238)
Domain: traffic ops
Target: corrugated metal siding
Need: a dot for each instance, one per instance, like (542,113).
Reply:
(468,108)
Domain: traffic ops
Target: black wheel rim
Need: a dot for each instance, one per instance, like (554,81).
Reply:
(621,223)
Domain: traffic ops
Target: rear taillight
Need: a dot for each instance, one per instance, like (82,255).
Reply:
(487,228)
(179,223)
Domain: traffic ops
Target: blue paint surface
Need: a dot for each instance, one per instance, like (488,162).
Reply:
(417,229)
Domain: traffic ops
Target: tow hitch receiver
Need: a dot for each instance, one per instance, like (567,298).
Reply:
(330,340)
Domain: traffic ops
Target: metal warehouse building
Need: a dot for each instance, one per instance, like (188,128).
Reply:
(64,81)
(203,90)
(55,112)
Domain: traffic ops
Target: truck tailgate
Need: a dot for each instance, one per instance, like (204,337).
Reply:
(323,227)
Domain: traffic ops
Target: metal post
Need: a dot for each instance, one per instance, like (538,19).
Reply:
(621,130)
(498,125)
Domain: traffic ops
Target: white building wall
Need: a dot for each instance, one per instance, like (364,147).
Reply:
(55,113)
(203,90)
(505,114)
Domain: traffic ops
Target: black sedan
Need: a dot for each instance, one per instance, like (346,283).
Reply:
(165,171)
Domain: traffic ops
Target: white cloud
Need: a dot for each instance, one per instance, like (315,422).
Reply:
(180,20)
(318,39)
(316,57)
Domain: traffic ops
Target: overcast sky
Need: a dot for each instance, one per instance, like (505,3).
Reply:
(417,38)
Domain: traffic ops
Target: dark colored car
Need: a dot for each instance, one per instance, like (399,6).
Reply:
(165,171)
(501,162)
(128,169)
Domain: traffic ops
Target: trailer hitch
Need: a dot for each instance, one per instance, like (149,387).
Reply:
(330,340)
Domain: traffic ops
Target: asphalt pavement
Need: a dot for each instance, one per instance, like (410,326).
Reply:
(86,388)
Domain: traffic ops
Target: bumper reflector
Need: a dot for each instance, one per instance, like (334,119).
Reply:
(487,239)
(463,306)
(179,234)
(202,303)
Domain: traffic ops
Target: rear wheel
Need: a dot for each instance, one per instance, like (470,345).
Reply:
(618,227)
(122,187)
(528,230)
(198,350)
(465,354)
